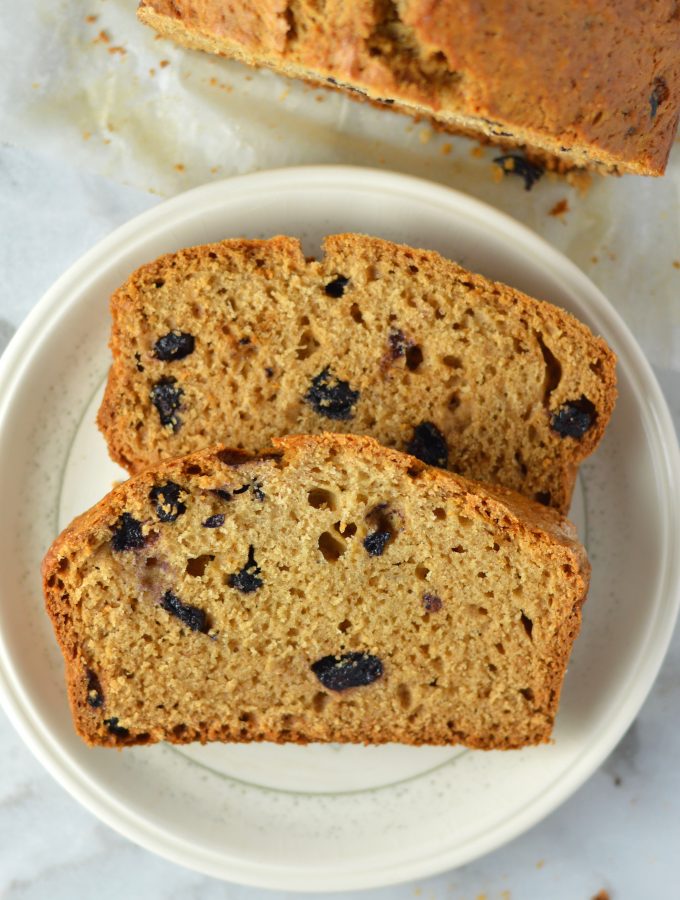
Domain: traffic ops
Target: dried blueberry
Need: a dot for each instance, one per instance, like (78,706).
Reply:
(221,493)
(214,521)
(166,497)
(432,603)
(95,696)
(115,728)
(375,542)
(514,164)
(429,445)
(574,418)
(242,489)
(659,94)
(167,400)
(330,397)
(174,345)
(247,579)
(191,616)
(336,288)
(339,673)
(127,534)
(268,371)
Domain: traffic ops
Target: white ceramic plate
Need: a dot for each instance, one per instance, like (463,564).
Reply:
(315,818)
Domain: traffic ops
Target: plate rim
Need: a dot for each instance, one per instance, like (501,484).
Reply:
(17,360)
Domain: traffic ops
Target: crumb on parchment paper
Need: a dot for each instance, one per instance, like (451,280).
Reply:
(560,208)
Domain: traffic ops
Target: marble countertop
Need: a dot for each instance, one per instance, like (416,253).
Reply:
(619,833)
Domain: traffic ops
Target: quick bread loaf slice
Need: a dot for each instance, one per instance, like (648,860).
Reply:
(240,341)
(575,82)
(329,589)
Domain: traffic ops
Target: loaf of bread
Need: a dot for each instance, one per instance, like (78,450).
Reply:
(580,83)
(328,589)
(241,341)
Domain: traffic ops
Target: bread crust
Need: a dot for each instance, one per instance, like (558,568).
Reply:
(542,533)
(474,68)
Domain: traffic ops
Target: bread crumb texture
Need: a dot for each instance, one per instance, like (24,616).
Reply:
(241,341)
(577,82)
(328,589)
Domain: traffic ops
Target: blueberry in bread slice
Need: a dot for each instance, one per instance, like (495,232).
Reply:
(243,340)
(327,589)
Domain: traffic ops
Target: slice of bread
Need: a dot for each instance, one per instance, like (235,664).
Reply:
(329,589)
(240,341)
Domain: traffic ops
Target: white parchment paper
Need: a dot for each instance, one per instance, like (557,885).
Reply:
(86,82)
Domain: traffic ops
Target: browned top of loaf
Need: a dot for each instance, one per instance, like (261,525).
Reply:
(594,81)
(417,337)
(507,577)
(600,72)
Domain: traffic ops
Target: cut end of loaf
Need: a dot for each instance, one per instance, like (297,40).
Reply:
(329,589)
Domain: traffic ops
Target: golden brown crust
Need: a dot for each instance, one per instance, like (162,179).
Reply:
(496,366)
(108,629)
(613,69)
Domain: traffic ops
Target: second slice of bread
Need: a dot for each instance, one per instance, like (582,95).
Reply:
(329,589)
(243,340)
